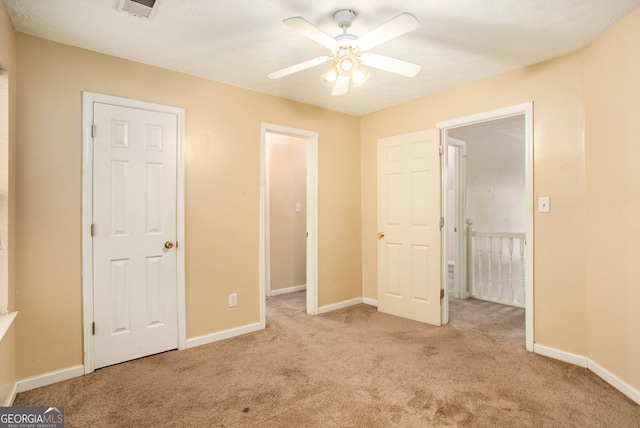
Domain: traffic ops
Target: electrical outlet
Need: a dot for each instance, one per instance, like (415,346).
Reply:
(543,204)
(233,300)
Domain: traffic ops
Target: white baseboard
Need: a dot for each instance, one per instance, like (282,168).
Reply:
(370,302)
(598,370)
(557,354)
(615,381)
(49,378)
(12,396)
(339,305)
(222,335)
(289,290)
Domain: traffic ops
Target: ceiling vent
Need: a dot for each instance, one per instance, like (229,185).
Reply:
(141,8)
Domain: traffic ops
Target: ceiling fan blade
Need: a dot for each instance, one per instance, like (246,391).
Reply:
(341,86)
(403,68)
(398,26)
(311,31)
(298,67)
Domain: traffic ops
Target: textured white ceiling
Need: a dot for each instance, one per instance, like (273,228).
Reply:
(239,42)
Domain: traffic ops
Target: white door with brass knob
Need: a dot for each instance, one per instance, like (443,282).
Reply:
(134,210)
(408,226)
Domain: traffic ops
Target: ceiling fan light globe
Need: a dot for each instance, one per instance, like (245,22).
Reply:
(360,76)
(346,64)
(331,75)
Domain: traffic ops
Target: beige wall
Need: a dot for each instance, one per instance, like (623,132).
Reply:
(222,159)
(556,88)
(288,227)
(7,343)
(613,199)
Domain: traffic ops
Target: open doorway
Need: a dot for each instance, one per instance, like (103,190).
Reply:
(487,185)
(286,211)
(288,220)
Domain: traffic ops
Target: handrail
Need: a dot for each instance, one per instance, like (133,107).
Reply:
(498,234)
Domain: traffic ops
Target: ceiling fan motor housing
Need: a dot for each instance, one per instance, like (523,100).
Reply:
(344,18)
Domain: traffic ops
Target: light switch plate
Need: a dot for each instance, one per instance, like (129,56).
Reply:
(233,300)
(543,204)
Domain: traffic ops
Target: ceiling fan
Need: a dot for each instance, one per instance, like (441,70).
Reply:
(346,50)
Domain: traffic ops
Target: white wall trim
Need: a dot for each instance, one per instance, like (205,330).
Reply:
(49,378)
(312,215)
(12,396)
(288,290)
(222,335)
(5,323)
(556,354)
(594,367)
(614,381)
(88,100)
(370,302)
(339,305)
(459,217)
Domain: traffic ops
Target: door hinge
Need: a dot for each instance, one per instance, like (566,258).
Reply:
(441,222)
(93,131)
(93,230)
(93,328)
(441,295)
(441,149)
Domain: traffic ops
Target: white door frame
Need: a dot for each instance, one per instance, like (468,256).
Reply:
(460,211)
(312,215)
(88,100)
(527,110)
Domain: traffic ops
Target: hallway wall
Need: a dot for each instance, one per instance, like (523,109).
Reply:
(288,227)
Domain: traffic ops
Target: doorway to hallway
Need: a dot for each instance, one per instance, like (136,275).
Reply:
(288,214)
(487,186)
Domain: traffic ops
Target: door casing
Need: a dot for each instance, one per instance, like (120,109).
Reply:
(88,100)
(525,109)
(460,290)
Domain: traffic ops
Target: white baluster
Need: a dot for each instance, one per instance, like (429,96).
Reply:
(522,264)
(471,280)
(479,291)
(490,261)
(511,293)
(500,298)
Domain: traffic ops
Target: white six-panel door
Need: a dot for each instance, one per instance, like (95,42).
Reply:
(134,217)
(409,226)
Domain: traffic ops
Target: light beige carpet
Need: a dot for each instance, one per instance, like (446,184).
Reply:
(354,367)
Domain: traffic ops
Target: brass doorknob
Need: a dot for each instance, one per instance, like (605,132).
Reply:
(168,245)
(380,235)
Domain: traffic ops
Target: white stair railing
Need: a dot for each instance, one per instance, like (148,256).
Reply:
(493,272)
